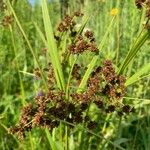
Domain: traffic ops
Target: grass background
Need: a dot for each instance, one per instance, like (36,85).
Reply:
(17,86)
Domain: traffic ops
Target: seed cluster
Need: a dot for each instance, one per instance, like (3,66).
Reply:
(49,108)
(105,90)
(68,22)
(7,20)
(83,43)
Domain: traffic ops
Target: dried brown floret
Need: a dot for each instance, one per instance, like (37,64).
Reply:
(81,44)
(83,106)
(66,24)
(37,73)
(7,20)
(139,3)
(38,119)
(126,108)
(104,88)
(89,34)
(111,108)
(99,103)
(78,117)
(92,125)
(93,48)
(72,48)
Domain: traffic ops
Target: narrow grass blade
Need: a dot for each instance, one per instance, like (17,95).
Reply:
(17,66)
(85,20)
(138,74)
(69,78)
(94,60)
(81,128)
(133,51)
(102,43)
(138,99)
(52,144)
(7,131)
(28,43)
(52,48)
(87,73)
(27,73)
(40,33)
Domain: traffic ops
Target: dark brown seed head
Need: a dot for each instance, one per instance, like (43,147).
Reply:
(111,108)
(139,3)
(83,106)
(7,20)
(99,103)
(92,125)
(78,117)
(89,34)
(126,108)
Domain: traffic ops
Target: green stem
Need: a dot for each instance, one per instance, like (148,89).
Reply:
(17,65)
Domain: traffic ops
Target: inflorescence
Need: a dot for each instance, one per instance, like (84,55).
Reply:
(7,19)
(105,90)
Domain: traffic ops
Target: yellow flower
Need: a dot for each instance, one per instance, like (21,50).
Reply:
(114,12)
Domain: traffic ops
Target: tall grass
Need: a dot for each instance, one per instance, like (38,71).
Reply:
(121,38)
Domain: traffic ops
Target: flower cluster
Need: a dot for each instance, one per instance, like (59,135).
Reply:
(7,20)
(78,40)
(48,109)
(83,43)
(114,88)
(105,90)
(139,3)
(114,12)
(68,22)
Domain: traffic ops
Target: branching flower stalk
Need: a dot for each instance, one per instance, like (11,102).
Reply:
(105,89)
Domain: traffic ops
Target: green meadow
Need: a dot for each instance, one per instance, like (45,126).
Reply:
(75,75)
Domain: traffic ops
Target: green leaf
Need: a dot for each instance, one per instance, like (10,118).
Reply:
(51,142)
(138,74)
(134,50)
(87,74)
(28,43)
(94,60)
(52,48)
(120,141)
